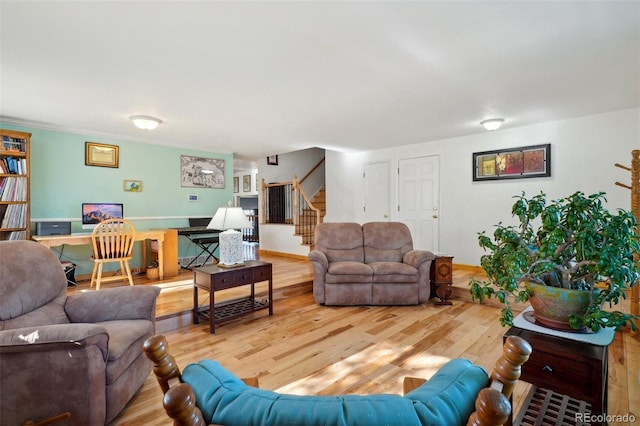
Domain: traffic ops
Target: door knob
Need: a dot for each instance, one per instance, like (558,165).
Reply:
(435,216)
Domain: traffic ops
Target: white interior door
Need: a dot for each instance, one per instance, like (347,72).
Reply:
(376,192)
(418,200)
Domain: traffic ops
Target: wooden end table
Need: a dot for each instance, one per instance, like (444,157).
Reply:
(441,275)
(213,278)
(567,363)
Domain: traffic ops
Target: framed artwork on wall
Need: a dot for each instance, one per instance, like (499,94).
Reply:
(236,184)
(272,160)
(513,163)
(201,172)
(101,155)
(246,183)
(132,185)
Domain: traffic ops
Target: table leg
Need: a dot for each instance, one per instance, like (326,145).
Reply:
(270,295)
(196,320)
(161,259)
(212,307)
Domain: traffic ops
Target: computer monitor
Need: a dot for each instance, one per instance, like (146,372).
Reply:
(94,213)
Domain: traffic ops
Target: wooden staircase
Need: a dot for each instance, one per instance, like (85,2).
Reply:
(307,220)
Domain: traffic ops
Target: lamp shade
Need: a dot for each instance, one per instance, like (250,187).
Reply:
(229,218)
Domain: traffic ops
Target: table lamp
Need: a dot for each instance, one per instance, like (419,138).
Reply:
(229,219)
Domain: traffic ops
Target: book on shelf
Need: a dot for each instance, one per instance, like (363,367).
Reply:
(13,189)
(14,216)
(12,144)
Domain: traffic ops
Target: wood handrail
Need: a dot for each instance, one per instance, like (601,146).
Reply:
(313,169)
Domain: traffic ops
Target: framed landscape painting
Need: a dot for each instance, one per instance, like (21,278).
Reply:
(513,163)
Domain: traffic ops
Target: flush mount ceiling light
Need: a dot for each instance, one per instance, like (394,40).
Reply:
(145,122)
(492,123)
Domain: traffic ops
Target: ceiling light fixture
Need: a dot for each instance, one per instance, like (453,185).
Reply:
(492,123)
(145,122)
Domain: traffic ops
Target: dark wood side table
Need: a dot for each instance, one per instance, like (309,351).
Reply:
(441,275)
(567,363)
(213,278)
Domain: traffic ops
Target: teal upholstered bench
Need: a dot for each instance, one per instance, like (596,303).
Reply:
(447,398)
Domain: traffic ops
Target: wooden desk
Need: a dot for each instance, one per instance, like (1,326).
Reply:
(85,239)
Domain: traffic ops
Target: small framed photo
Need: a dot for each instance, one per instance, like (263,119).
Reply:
(272,160)
(132,185)
(236,184)
(100,154)
(246,183)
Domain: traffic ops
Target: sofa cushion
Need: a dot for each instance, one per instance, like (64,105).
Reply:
(348,272)
(393,272)
(340,242)
(447,398)
(385,241)
(126,338)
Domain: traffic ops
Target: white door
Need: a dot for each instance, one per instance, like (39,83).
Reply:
(376,192)
(418,200)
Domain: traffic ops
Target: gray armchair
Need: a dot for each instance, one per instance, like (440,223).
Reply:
(79,354)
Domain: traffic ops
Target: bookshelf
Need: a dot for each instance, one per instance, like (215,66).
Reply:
(14,185)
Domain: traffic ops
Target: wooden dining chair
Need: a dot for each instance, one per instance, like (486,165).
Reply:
(112,241)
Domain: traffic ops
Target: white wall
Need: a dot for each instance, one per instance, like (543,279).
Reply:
(583,153)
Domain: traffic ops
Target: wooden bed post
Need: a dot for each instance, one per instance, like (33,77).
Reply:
(634,299)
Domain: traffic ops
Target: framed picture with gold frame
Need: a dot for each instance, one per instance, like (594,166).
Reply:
(101,155)
(513,163)
(132,185)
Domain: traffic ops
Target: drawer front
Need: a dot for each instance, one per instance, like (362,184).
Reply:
(561,374)
(244,277)
(222,281)
(262,273)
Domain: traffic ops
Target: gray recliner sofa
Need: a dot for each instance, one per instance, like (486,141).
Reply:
(369,264)
(79,354)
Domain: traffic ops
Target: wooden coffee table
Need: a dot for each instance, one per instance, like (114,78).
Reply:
(214,278)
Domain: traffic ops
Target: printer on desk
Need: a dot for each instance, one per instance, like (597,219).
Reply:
(53,228)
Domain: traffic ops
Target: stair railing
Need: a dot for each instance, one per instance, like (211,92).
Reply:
(277,202)
(288,203)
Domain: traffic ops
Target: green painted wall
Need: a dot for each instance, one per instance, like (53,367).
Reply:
(61,182)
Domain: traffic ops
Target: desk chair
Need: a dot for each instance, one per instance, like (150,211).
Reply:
(207,244)
(112,241)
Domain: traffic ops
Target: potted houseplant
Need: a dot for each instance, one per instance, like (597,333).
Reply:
(572,244)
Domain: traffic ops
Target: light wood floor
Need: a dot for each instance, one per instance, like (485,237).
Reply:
(305,348)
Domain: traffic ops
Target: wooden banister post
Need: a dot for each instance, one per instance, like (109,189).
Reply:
(165,367)
(180,404)
(508,368)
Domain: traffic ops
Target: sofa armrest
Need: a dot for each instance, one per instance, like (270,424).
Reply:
(416,258)
(63,370)
(319,258)
(53,337)
(320,265)
(120,303)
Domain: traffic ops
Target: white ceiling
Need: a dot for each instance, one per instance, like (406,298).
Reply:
(259,77)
